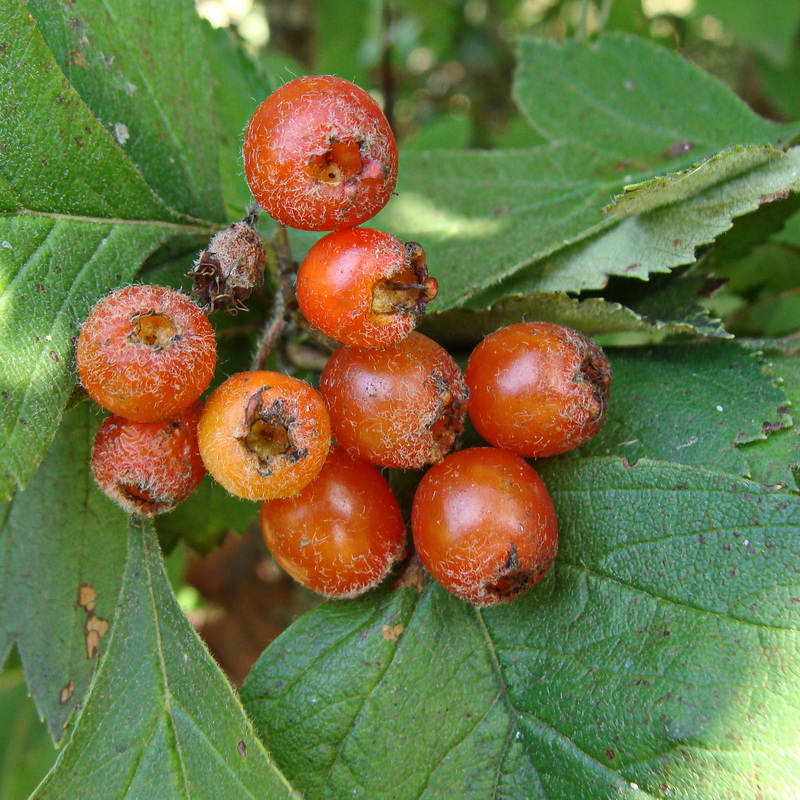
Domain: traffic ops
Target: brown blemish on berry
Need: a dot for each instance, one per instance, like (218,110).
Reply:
(154,330)
(143,499)
(511,579)
(407,292)
(596,370)
(95,628)
(269,433)
(448,421)
(340,163)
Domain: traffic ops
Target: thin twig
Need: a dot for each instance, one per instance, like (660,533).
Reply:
(276,254)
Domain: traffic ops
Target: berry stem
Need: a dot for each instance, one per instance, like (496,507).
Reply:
(282,269)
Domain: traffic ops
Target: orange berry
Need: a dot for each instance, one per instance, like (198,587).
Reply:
(149,467)
(319,154)
(399,406)
(264,435)
(364,287)
(484,525)
(538,389)
(146,353)
(340,535)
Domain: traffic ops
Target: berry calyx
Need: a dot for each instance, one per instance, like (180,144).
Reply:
(319,154)
(484,525)
(364,287)
(341,534)
(399,406)
(538,389)
(148,468)
(264,435)
(146,353)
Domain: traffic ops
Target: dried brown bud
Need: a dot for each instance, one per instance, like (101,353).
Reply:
(225,275)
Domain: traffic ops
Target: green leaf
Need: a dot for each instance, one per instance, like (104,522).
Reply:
(768,26)
(635,101)
(689,404)
(52,270)
(26,752)
(725,166)
(656,660)
(62,548)
(77,215)
(145,78)
(240,84)
(594,316)
(57,157)
(161,719)
(205,518)
(668,233)
(775,460)
(496,224)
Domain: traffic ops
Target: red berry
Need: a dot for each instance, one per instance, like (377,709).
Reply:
(319,154)
(538,389)
(264,435)
(340,535)
(398,406)
(146,353)
(149,467)
(484,525)
(364,287)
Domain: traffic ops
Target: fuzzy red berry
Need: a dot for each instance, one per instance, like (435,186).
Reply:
(399,406)
(484,525)
(146,353)
(149,467)
(264,435)
(364,287)
(319,154)
(538,389)
(341,535)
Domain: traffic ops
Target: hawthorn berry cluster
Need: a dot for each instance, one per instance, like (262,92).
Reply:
(320,155)
(147,354)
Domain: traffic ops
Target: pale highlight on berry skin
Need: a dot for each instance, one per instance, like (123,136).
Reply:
(400,406)
(146,353)
(149,468)
(484,525)
(364,287)
(264,435)
(342,534)
(319,154)
(538,389)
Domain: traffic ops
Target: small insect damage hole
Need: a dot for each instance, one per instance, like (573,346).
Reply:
(269,434)
(448,422)
(143,500)
(512,579)
(596,370)
(152,329)
(407,292)
(340,163)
